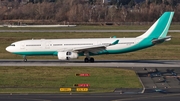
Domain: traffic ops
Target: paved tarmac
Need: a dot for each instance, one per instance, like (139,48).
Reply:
(105,63)
(164,80)
(90,97)
(142,66)
(80,31)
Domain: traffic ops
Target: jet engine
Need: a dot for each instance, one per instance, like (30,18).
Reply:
(67,55)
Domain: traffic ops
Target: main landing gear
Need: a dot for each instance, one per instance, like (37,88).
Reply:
(24,59)
(88,60)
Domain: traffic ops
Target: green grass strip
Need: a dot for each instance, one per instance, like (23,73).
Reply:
(50,79)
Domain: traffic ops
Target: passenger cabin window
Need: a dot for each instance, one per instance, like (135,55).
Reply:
(34,45)
(12,45)
(57,44)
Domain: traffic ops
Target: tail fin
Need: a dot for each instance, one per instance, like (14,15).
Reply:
(160,28)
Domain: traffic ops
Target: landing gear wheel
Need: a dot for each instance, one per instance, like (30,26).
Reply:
(25,60)
(86,60)
(91,60)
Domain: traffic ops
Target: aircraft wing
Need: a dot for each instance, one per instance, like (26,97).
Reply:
(156,41)
(94,48)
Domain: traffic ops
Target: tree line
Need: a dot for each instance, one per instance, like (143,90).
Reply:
(80,11)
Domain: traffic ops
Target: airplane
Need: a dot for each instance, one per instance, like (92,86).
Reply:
(66,49)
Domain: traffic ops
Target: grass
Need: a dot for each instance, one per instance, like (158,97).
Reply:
(167,50)
(50,79)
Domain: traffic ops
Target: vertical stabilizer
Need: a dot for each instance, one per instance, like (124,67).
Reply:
(160,28)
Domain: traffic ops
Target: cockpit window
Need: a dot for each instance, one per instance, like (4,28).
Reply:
(12,45)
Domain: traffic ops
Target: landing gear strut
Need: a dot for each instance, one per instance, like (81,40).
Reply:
(24,59)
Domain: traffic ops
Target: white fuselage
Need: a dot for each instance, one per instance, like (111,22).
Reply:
(52,45)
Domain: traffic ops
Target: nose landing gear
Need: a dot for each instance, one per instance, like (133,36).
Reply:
(24,59)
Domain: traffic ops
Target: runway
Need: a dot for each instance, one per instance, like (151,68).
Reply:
(80,31)
(79,63)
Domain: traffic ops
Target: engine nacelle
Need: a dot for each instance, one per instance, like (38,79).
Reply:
(67,55)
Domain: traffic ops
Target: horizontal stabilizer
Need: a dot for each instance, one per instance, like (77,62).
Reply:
(156,41)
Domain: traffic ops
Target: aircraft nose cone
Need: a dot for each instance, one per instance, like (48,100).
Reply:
(8,49)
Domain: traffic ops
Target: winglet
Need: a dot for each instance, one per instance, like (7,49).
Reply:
(115,42)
